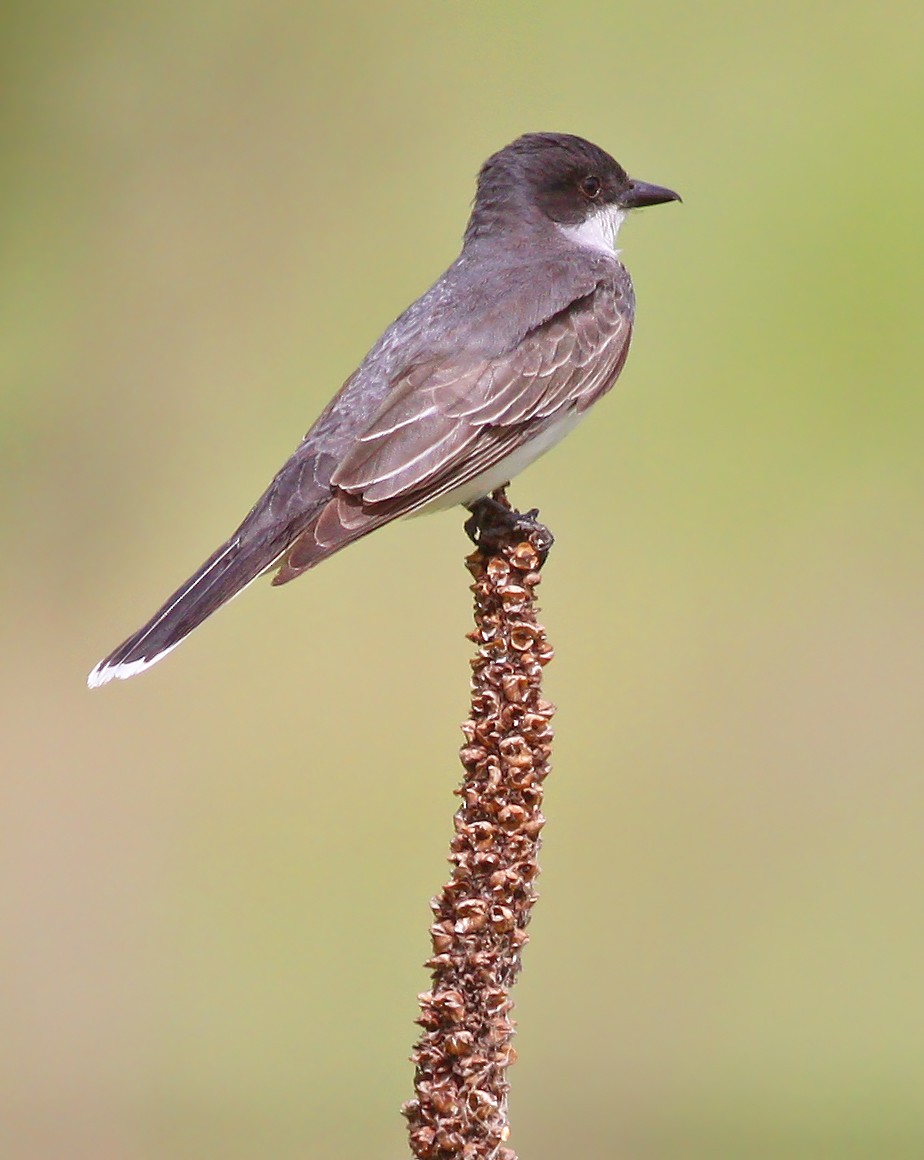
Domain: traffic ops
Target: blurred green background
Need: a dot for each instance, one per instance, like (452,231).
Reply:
(216,877)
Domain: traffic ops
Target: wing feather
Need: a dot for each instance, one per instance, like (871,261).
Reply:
(439,411)
(446,422)
(348,517)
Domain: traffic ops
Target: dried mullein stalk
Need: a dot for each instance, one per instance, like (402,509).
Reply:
(479,930)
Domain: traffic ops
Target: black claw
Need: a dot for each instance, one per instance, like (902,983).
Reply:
(493,521)
(472,527)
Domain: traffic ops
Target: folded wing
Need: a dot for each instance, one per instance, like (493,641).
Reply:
(447,421)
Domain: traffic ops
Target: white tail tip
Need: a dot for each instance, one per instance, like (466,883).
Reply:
(104,673)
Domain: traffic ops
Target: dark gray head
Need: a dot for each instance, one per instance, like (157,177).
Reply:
(560,179)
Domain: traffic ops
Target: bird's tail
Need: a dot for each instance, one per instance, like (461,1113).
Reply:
(227,572)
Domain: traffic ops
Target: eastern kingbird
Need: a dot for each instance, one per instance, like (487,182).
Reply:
(491,367)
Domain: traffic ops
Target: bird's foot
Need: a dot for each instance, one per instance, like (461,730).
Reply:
(493,522)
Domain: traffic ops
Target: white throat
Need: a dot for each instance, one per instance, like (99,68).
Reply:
(599,231)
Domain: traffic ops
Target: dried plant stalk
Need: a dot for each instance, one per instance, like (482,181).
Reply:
(460,1109)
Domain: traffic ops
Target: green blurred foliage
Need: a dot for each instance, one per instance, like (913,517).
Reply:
(217,876)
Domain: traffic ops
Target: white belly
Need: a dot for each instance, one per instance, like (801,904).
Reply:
(506,468)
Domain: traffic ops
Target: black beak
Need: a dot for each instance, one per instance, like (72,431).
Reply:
(642,193)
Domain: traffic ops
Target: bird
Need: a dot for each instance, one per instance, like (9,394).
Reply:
(487,370)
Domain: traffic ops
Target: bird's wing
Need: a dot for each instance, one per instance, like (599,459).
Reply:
(448,420)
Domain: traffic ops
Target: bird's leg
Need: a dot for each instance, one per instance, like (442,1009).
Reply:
(493,520)
(490,514)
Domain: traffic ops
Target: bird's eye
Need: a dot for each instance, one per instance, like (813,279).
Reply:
(591,186)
